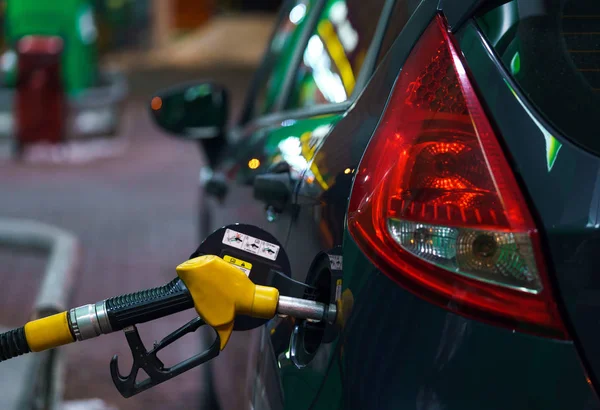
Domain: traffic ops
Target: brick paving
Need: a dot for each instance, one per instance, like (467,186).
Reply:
(136,218)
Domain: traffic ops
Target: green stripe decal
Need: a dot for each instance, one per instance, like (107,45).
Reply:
(553,146)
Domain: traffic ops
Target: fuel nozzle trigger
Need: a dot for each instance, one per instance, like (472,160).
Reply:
(152,365)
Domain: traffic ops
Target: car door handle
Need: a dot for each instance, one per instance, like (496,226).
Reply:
(274,189)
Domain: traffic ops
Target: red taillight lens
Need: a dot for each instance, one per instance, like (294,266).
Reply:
(436,206)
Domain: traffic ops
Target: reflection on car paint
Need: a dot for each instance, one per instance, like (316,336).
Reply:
(335,53)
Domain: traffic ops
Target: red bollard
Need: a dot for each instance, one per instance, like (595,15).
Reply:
(40,104)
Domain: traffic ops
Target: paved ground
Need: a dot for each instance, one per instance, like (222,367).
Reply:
(229,38)
(136,218)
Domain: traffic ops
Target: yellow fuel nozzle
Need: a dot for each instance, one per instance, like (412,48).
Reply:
(218,290)
(221,291)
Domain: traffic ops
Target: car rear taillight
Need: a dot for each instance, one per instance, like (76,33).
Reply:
(436,206)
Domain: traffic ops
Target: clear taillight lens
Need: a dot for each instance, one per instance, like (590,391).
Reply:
(436,205)
(500,258)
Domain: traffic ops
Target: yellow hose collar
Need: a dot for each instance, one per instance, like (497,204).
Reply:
(48,332)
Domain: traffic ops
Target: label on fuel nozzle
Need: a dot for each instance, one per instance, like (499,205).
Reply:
(250,244)
(244,266)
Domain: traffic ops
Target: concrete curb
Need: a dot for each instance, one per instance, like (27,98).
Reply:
(37,381)
(63,249)
(17,385)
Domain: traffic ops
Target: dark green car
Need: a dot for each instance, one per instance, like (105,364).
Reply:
(431,166)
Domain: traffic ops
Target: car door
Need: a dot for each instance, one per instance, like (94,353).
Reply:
(227,187)
(335,63)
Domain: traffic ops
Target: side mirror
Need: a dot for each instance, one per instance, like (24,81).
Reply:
(193,111)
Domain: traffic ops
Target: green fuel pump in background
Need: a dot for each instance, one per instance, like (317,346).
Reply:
(72,20)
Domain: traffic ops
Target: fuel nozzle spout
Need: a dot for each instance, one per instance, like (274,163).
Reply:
(307,309)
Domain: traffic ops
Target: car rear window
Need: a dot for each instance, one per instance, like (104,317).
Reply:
(552,50)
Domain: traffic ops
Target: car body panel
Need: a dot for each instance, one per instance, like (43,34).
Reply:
(562,181)
(398,351)
(291,142)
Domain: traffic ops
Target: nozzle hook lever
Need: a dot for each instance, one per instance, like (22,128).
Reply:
(152,365)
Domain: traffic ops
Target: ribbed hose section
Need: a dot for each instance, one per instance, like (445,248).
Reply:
(146,305)
(13,343)
(143,295)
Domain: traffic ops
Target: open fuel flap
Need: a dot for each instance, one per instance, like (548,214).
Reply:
(325,276)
